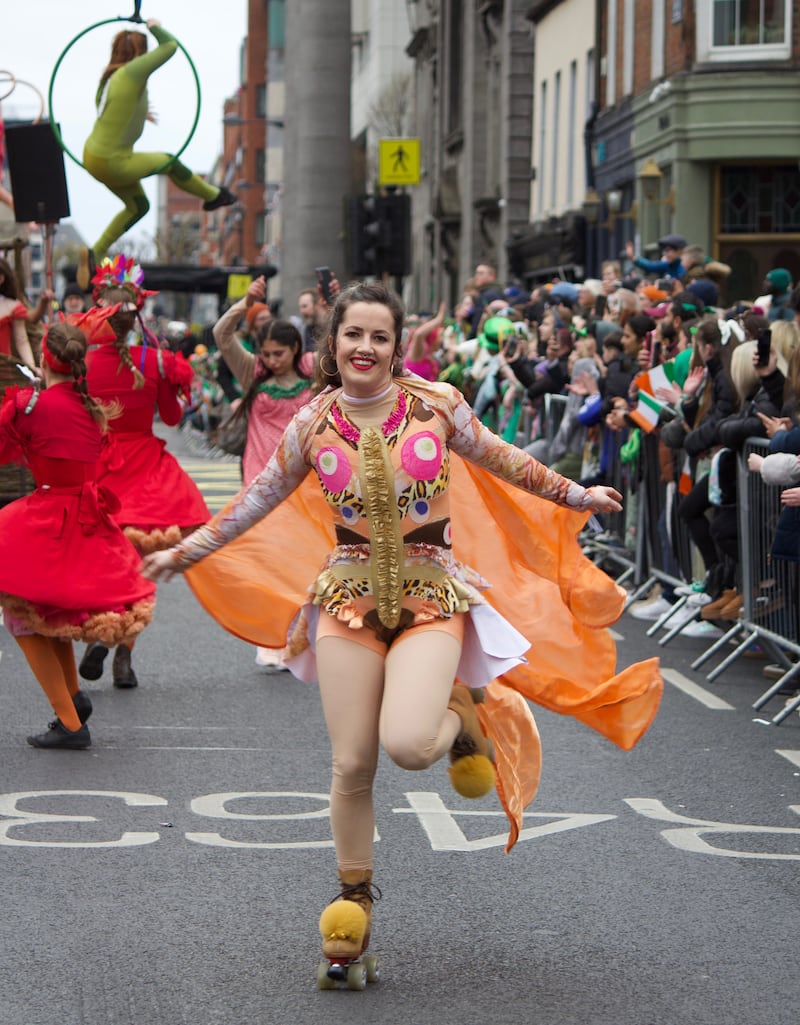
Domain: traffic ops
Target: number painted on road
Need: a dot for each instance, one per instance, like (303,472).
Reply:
(445,834)
(690,836)
(18,818)
(439,822)
(212,806)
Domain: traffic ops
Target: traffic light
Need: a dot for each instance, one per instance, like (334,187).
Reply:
(379,235)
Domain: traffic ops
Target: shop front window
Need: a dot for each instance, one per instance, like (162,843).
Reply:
(760,200)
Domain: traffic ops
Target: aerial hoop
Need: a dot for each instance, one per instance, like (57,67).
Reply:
(137,19)
(10,80)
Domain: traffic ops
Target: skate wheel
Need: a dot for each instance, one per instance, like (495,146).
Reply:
(323,979)
(373,967)
(357,976)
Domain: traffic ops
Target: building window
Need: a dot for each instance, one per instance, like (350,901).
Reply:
(455,60)
(741,30)
(555,142)
(277,24)
(261,166)
(657,40)
(542,146)
(260,228)
(571,130)
(760,200)
(628,47)
(610,69)
(261,101)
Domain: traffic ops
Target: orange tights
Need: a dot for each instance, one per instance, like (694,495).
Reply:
(53,664)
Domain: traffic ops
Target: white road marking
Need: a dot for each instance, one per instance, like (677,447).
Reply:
(694,690)
(792,756)
(691,832)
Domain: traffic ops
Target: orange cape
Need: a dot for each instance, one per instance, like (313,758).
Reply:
(541,582)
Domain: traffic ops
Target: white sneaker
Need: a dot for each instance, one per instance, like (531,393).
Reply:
(682,615)
(701,628)
(699,598)
(651,610)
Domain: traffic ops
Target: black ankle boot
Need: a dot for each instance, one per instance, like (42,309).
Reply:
(124,676)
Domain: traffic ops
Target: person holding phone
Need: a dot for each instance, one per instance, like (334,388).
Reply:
(276,383)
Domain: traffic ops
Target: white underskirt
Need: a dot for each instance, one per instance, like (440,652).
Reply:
(492,646)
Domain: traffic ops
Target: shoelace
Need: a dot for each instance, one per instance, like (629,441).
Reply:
(368,891)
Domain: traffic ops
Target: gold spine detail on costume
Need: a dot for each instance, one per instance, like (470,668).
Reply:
(385,534)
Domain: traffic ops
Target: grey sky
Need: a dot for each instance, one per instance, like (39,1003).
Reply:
(36,35)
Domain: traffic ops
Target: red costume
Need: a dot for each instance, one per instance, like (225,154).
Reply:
(159,501)
(6,323)
(66,569)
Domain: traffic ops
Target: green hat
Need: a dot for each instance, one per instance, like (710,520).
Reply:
(780,278)
(495,331)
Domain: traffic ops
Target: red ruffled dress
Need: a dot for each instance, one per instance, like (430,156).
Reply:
(159,501)
(66,568)
(18,312)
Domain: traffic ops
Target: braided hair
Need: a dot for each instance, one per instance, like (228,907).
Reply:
(124,295)
(68,345)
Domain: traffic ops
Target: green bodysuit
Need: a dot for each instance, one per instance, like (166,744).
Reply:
(108,152)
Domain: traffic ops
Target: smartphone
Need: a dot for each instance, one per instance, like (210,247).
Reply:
(324,276)
(655,359)
(763,346)
(511,348)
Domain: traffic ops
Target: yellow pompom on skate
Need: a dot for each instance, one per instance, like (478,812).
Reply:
(471,770)
(342,925)
(472,776)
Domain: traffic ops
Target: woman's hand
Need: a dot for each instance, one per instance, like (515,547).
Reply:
(604,499)
(754,461)
(693,381)
(256,291)
(790,497)
(671,395)
(159,566)
(773,424)
(615,420)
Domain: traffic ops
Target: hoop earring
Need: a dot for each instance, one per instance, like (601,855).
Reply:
(324,369)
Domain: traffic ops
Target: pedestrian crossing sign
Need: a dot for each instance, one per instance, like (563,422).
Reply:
(398,162)
(238,285)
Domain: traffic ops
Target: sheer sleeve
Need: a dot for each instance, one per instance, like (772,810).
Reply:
(285,471)
(476,443)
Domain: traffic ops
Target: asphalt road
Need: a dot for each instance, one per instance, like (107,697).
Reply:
(174,873)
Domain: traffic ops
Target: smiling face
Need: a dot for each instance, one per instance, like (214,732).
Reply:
(365,348)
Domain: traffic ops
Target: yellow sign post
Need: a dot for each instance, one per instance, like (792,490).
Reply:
(398,162)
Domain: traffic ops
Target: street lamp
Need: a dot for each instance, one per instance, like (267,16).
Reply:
(650,178)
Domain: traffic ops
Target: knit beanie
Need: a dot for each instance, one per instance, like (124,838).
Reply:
(253,311)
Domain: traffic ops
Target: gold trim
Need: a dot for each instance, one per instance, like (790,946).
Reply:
(385,533)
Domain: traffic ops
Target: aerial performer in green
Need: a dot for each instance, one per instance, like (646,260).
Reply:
(108,154)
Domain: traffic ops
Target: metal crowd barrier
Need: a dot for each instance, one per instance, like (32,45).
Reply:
(770,588)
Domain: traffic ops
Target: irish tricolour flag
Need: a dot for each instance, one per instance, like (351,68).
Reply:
(648,408)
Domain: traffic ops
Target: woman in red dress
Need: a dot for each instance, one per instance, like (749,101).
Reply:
(159,502)
(67,572)
(13,314)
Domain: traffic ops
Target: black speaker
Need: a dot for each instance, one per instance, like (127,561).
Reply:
(36,169)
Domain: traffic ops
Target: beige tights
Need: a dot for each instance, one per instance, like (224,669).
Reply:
(398,700)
